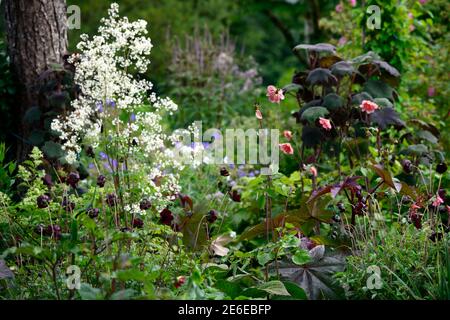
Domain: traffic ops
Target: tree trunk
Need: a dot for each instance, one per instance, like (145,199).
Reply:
(37,37)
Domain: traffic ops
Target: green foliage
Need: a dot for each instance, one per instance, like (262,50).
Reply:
(412,266)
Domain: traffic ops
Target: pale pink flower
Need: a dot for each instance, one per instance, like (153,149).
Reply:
(414,207)
(368,106)
(423,1)
(412,28)
(438,201)
(286,148)
(287,134)
(339,8)
(313,171)
(410,15)
(275,95)
(431,91)
(258,115)
(342,41)
(325,123)
(352,3)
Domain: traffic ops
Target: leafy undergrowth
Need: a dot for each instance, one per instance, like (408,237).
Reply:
(109,208)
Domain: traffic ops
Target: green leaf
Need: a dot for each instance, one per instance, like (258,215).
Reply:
(313,113)
(342,68)
(319,47)
(332,101)
(125,294)
(32,115)
(385,117)
(274,287)
(427,136)
(264,257)
(292,87)
(379,89)
(316,277)
(321,76)
(87,292)
(301,257)
(53,150)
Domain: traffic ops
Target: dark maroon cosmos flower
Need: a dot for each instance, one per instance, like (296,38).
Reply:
(111,200)
(224,172)
(138,223)
(145,204)
(93,212)
(101,180)
(166,217)
(212,216)
(47,179)
(72,179)
(43,201)
(235,196)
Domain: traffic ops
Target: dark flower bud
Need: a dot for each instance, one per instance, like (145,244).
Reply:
(72,179)
(39,229)
(90,152)
(101,180)
(416,219)
(43,201)
(52,231)
(145,204)
(235,196)
(441,168)
(166,217)
(67,204)
(138,223)
(180,281)
(407,166)
(212,216)
(93,212)
(111,200)
(47,179)
(224,172)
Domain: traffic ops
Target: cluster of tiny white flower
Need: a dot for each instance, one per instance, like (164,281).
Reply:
(104,71)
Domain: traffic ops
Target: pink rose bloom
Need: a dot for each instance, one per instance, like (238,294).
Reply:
(352,3)
(438,201)
(325,123)
(412,28)
(431,91)
(287,134)
(368,106)
(258,115)
(339,8)
(275,95)
(286,148)
(313,171)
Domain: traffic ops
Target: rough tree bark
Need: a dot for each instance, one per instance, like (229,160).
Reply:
(37,37)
